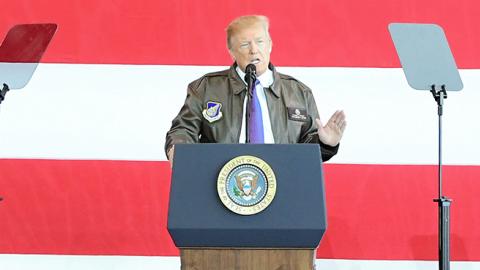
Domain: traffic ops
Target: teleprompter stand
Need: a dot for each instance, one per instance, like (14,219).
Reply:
(429,65)
(443,202)
(20,53)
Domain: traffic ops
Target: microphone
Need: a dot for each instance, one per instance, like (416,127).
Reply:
(250,74)
(250,77)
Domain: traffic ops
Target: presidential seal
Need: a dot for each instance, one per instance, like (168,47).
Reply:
(246,185)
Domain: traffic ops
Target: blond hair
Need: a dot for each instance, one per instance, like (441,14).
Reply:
(244,22)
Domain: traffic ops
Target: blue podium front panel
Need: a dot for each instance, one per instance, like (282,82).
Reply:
(296,218)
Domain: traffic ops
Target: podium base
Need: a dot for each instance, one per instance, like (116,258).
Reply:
(246,259)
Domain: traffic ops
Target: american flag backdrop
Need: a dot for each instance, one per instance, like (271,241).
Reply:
(84,178)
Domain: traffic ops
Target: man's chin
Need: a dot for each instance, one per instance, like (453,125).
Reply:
(261,70)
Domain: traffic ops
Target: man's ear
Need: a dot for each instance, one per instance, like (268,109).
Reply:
(231,55)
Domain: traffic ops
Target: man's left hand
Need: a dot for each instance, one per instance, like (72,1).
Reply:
(332,132)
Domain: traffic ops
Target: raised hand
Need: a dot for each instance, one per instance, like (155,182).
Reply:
(332,132)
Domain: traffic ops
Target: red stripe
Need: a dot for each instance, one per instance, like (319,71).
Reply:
(307,33)
(84,207)
(120,208)
(387,212)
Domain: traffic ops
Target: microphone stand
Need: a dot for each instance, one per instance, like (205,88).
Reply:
(3,92)
(250,77)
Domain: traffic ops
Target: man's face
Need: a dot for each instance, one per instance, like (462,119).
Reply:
(251,45)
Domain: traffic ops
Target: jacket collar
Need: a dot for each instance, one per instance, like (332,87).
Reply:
(238,85)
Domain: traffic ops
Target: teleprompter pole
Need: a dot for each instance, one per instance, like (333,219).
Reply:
(443,202)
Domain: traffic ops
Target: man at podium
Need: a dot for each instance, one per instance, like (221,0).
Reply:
(281,108)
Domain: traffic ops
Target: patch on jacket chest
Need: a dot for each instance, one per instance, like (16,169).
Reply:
(212,113)
(297,114)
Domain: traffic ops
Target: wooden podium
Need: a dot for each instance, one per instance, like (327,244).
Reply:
(282,236)
(246,259)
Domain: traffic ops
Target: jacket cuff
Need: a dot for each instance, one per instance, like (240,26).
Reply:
(328,151)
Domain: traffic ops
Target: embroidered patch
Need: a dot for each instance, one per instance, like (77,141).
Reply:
(212,113)
(297,114)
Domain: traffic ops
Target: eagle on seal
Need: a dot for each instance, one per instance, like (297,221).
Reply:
(247,182)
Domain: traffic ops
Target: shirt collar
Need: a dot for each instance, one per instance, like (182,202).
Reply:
(266,79)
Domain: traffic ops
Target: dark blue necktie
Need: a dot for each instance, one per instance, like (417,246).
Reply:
(255,123)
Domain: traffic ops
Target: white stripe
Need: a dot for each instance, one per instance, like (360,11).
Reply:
(71,262)
(123,112)
(390,123)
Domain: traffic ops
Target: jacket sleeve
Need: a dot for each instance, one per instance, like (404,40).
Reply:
(186,126)
(309,133)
